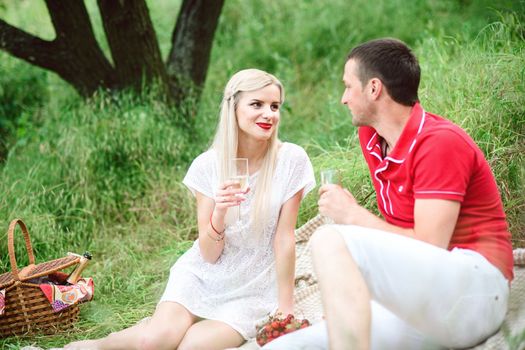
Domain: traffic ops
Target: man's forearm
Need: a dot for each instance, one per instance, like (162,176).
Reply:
(367,219)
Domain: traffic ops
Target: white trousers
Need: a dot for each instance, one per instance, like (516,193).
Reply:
(424,297)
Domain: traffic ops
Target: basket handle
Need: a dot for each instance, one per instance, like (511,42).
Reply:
(11,246)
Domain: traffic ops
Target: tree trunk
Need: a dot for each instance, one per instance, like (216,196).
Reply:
(191,47)
(74,53)
(133,43)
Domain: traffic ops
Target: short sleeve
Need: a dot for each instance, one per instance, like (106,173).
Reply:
(443,164)
(201,174)
(300,173)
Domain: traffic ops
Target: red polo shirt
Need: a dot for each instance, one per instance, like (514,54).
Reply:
(435,158)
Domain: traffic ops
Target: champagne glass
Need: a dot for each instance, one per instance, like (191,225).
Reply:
(239,174)
(330,176)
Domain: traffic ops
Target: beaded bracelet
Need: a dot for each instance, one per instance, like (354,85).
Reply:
(220,234)
(217,240)
(214,229)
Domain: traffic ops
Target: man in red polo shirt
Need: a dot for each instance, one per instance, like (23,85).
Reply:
(435,271)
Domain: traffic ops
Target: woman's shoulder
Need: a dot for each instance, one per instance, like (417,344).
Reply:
(206,159)
(206,156)
(292,150)
(296,170)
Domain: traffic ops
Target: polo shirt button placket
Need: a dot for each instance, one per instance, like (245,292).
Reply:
(387,163)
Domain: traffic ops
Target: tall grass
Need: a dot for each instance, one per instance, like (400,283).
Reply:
(481,87)
(105,174)
(94,165)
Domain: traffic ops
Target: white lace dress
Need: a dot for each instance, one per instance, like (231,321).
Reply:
(240,289)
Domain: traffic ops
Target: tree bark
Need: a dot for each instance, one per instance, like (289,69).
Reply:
(26,46)
(79,59)
(74,53)
(133,42)
(191,47)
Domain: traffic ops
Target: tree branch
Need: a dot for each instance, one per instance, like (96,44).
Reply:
(71,22)
(80,59)
(26,46)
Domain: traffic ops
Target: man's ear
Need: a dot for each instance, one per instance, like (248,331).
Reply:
(376,87)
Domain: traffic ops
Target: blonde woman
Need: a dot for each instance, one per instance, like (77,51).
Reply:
(242,265)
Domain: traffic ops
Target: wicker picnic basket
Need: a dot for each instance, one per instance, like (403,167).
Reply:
(27,310)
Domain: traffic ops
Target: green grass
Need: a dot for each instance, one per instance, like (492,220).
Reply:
(105,175)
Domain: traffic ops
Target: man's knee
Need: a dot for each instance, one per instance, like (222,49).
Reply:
(327,241)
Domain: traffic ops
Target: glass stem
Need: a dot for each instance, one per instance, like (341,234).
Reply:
(239,212)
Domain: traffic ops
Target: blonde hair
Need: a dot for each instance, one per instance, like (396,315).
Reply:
(225,142)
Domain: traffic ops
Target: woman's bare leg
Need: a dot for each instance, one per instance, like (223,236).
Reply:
(210,335)
(164,330)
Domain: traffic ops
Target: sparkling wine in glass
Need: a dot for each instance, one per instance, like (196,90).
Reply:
(239,174)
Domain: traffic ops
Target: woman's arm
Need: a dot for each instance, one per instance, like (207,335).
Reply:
(284,249)
(210,219)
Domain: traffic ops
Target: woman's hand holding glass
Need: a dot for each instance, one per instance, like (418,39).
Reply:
(229,194)
(239,173)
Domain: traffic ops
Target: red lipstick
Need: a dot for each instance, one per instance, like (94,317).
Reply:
(265,126)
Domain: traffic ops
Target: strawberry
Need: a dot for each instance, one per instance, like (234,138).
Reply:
(276,326)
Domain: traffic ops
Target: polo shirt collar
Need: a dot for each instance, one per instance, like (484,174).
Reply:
(407,140)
